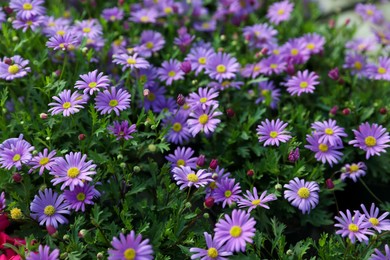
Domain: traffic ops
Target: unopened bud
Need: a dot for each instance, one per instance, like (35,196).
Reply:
(17,177)
(213,164)
(214,176)
(250,173)
(82,233)
(180,100)
(200,161)
(334,110)
(43,116)
(331,23)
(122,165)
(347,21)
(51,230)
(383,111)
(81,137)
(278,186)
(33,242)
(346,111)
(146,92)
(290,252)
(8,10)
(334,74)
(188,205)
(136,169)
(329,184)
(209,202)
(230,112)
(100,255)
(8,61)
(152,148)
(206,215)
(293,156)
(290,70)
(185,66)
(66,237)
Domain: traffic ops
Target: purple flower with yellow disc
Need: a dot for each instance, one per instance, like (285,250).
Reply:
(203,99)
(44,253)
(303,82)
(329,132)
(272,132)
(253,200)
(14,67)
(130,61)
(222,66)
(378,223)
(114,100)
(43,161)
(353,171)
(324,152)
(186,177)
(182,156)
(122,130)
(227,191)
(214,251)
(68,103)
(16,154)
(203,120)
(130,247)
(302,194)
(27,9)
(355,227)
(92,81)
(280,11)
(170,71)
(81,196)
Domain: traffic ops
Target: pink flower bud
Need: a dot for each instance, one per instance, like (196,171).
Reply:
(209,202)
(329,184)
(213,164)
(185,66)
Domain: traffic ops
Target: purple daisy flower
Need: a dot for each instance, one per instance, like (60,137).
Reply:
(199,56)
(361,44)
(329,132)
(88,28)
(170,71)
(295,51)
(222,66)
(205,26)
(303,82)
(314,42)
(272,132)
(378,223)
(280,11)
(151,42)
(324,152)
(115,100)
(204,121)
(184,39)
(371,138)
(147,76)
(178,131)
(72,171)
(27,9)
(68,103)
(130,61)
(378,255)
(369,12)
(65,42)
(130,247)
(353,171)
(273,65)
(235,230)
(356,63)
(146,15)
(260,35)
(214,251)
(186,177)
(2,202)
(112,14)
(354,227)
(34,23)
(166,105)
(43,161)
(15,67)
(17,154)
(380,71)
(3,17)
(122,129)
(48,208)
(252,70)
(203,99)
(225,84)
(92,81)
(227,191)
(80,196)
(268,94)
(302,194)
(154,94)
(182,157)
(44,253)
(252,200)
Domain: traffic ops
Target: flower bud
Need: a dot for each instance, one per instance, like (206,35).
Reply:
(43,116)
(8,10)
(180,100)
(290,252)
(250,173)
(290,69)
(334,74)
(33,242)
(122,165)
(329,184)
(146,92)
(200,161)
(185,66)
(66,237)
(17,177)
(82,233)
(136,169)
(230,112)
(278,186)
(81,137)
(188,205)
(100,255)
(334,110)
(209,202)
(8,61)
(347,21)
(293,156)
(206,215)
(331,23)
(213,164)
(51,230)
(152,148)
(383,111)
(346,111)
(214,176)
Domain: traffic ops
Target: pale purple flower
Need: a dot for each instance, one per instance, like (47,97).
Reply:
(227,191)
(324,152)
(27,9)
(273,65)
(371,138)
(355,227)
(369,12)
(151,42)
(80,196)
(2,202)
(329,132)
(380,71)
(48,208)
(252,200)
(280,11)
(182,156)
(199,56)
(303,82)
(214,251)
(68,103)
(130,61)
(378,255)
(90,28)
(72,171)
(353,171)
(44,254)
(170,71)
(146,15)
(268,94)
(203,99)
(378,223)
(272,132)
(221,66)
(65,42)
(33,23)
(186,177)
(15,153)
(203,120)
(178,131)
(260,35)
(130,247)
(16,69)
(112,14)
(205,26)
(302,194)
(43,161)
(225,84)
(114,100)
(314,42)
(236,230)
(122,130)
(92,81)
(356,63)
(295,51)
(252,70)
(361,44)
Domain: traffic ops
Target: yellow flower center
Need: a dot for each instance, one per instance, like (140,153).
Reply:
(131,61)
(303,193)
(358,65)
(149,45)
(203,119)
(29,23)
(44,161)
(264,92)
(129,254)
(172,73)
(112,18)
(203,100)
(213,185)
(273,134)
(273,66)
(66,105)
(92,85)
(353,228)
(303,84)
(73,172)
(328,131)
(176,127)
(276,52)
(27,6)
(228,193)
(80,196)
(353,168)
(235,231)
(256,202)
(192,177)
(381,70)
(186,106)
(205,25)
(310,46)
(374,221)
(49,210)
(202,60)
(257,68)
(212,252)
(113,103)
(62,46)
(369,12)
(144,19)
(86,29)
(221,68)
(61,32)
(16,213)
(294,52)
(181,162)
(16,157)
(370,141)
(13,69)
(168,10)
(280,12)
(323,147)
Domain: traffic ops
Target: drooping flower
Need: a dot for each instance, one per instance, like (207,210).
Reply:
(214,251)
(122,129)
(221,66)
(329,132)
(92,81)
(268,94)
(252,200)
(49,207)
(44,254)
(72,171)
(354,171)
(68,103)
(186,177)
(114,100)
(130,61)
(371,138)
(302,194)
(303,82)
(203,99)
(324,152)
(15,154)
(378,223)
(378,255)
(170,71)
(272,132)
(280,11)
(151,42)
(236,230)
(43,161)
(227,191)
(16,68)
(80,196)
(182,156)
(203,120)
(353,226)
(27,9)
(130,247)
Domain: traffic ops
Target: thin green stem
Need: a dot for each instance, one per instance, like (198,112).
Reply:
(369,190)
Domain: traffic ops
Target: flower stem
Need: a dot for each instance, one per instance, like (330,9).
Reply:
(368,189)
